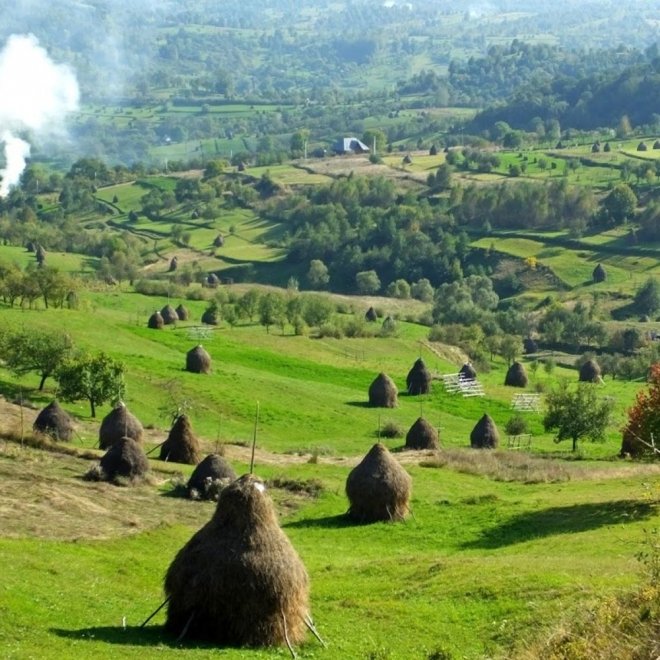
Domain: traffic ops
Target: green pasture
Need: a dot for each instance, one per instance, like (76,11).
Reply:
(74,264)
(289,174)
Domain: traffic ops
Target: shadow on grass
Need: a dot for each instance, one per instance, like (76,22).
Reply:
(327,522)
(129,636)
(562,520)
(361,404)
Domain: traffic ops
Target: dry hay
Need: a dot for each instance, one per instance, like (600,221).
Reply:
(422,436)
(599,274)
(485,434)
(156,321)
(219,241)
(125,460)
(590,372)
(212,280)
(530,345)
(210,315)
(174,263)
(383,392)
(181,446)
(516,376)
(239,581)
(117,424)
(467,371)
(198,361)
(419,378)
(55,422)
(378,488)
(169,315)
(182,312)
(207,478)
(371,315)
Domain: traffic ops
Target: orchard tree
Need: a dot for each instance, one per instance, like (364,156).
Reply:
(621,203)
(367,282)
(647,297)
(96,378)
(317,275)
(641,435)
(576,414)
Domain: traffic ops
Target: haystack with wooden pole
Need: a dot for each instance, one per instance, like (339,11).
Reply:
(119,423)
(422,435)
(156,321)
(198,361)
(371,315)
(516,376)
(211,315)
(210,473)
(419,378)
(182,312)
(599,274)
(239,581)
(125,459)
(590,372)
(485,434)
(169,315)
(212,280)
(383,392)
(55,422)
(467,371)
(378,488)
(182,445)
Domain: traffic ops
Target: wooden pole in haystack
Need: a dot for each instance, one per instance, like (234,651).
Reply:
(254,437)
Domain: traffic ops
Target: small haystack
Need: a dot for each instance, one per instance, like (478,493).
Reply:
(422,436)
(378,488)
(54,421)
(182,312)
(530,345)
(219,241)
(156,321)
(599,274)
(117,424)
(371,315)
(40,255)
(467,372)
(198,361)
(516,376)
(590,372)
(169,315)
(174,264)
(383,392)
(181,446)
(239,581)
(212,280)
(407,159)
(211,315)
(485,434)
(419,378)
(125,459)
(214,468)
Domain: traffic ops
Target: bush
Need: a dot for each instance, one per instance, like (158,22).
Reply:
(390,430)
(516,425)
(330,330)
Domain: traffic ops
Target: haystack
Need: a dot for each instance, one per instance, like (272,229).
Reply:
(212,280)
(117,424)
(54,421)
(212,469)
(169,315)
(219,241)
(210,316)
(174,264)
(530,345)
(378,488)
(516,376)
(467,371)
(239,581)
(182,312)
(371,315)
(590,372)
(198,361)
(181,446)
(485,434)
(422,436)
(599,274)
(383,392)
(419,378)
(156,321)
(125,459)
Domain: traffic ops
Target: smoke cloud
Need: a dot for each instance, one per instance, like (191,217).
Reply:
(36,95)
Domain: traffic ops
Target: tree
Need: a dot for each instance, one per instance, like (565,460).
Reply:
(96,378)
(577,414)
(647,298)
(399,289)
(271,310)
(510,348)
(317,275)
(621,202)
(34,350)
(374,137)
(367,282)
(316,309)
(641,435)
(422,290)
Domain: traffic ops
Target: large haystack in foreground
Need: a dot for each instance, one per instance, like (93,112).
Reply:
(383,392)
(54,421)
(590,372)
(485,434)
(378,488)
(181,446)
(516,376)
(419,378)
(117,424)
(204,480)
(198,361)
(239,581)
(422,436)
(126,460)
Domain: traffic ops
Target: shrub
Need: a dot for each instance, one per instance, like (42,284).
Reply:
(390,430)
(516,425)
(330,330)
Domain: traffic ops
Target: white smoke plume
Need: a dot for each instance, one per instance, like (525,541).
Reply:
(35,97)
